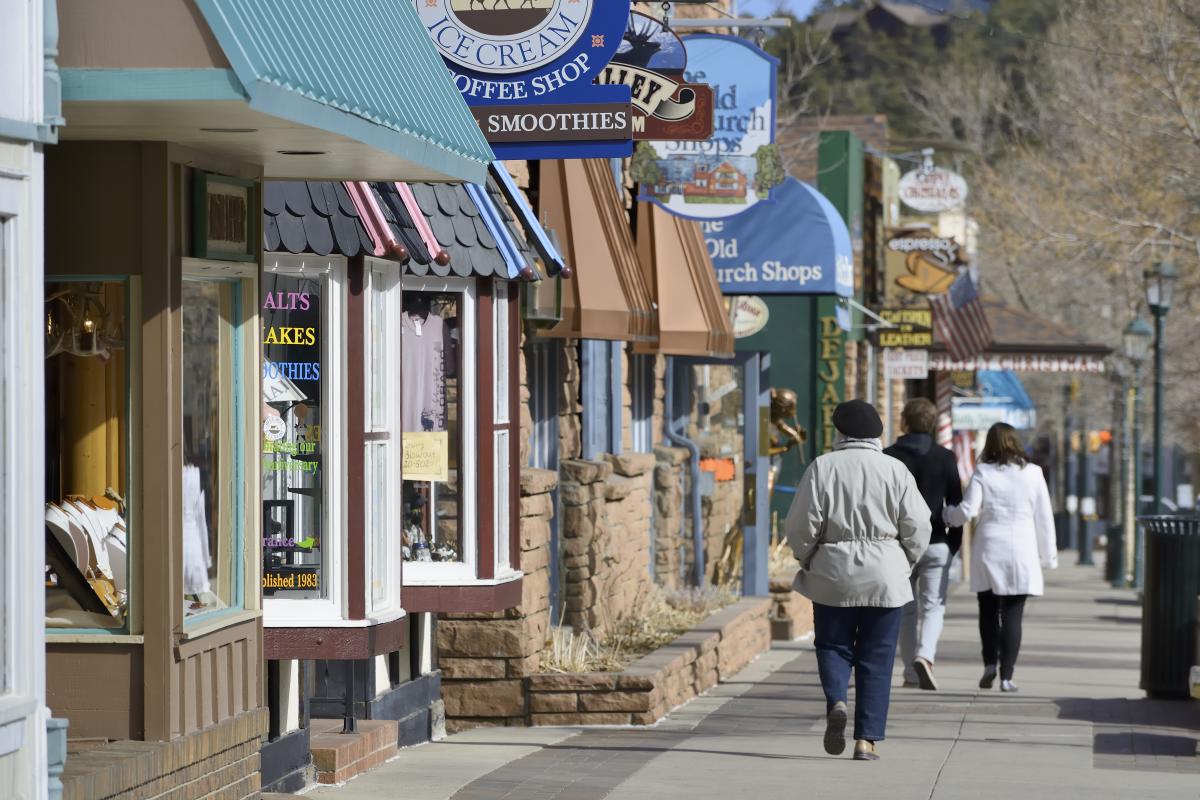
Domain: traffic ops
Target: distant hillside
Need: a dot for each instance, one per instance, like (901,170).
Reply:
(878,50)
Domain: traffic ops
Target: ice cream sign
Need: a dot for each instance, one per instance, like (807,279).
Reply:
(526,68)
(737,167)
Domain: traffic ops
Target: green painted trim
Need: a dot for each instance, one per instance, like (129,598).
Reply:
(22,131)
(142,85)
(200,183)
(414,147)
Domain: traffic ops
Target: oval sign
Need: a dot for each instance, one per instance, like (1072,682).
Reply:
(505,36)
(750,315)
(933,190)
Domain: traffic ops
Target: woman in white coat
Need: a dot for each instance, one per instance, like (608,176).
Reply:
(1013,541)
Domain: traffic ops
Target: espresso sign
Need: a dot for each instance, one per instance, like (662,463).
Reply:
(531,64)
(651,61)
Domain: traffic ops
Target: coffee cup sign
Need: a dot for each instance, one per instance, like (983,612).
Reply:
(932,190)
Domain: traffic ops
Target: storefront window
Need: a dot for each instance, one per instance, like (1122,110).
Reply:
(87,454)
(437,335)
(213,400)
(294,327)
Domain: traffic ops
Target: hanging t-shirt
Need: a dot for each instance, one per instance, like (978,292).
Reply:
(423,367)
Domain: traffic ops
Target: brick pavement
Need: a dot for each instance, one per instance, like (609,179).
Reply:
(1079,727)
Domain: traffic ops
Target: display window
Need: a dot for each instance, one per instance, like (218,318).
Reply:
(217,403)
(87,478)
(438,372)
(301,312)
(459,430)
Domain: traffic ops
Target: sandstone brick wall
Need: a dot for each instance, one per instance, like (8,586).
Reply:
(605,538)
(669,483)
(484,656)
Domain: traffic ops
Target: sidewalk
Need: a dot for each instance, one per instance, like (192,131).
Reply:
(1078,728)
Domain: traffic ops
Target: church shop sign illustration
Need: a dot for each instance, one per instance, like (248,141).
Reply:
(526,68)
(652,62)
(739,165)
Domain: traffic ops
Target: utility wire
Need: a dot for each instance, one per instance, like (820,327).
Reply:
(993,30)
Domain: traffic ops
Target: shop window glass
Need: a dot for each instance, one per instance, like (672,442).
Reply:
(212,461)
(641,390)
(381,358)
(87,454)
(433,426)
(294,328)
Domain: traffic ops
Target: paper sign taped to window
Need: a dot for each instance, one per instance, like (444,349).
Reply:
(427,456)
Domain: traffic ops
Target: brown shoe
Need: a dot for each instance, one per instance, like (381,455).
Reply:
(835,729)
(924,670)
(865,751)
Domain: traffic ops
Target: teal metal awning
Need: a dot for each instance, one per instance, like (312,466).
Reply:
(315,88)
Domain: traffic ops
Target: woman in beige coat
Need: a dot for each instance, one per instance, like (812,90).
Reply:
(857,526)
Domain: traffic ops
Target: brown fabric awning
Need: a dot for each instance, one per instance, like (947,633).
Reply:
(608,297)
(691,313)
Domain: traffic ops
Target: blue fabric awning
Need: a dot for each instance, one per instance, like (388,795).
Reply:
(364,69)
(1001,397)
(797,244)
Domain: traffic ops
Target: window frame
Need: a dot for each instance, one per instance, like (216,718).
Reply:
(246,397)
(133,627)
(333,609)
(602,396)
(466,571)
(641,392)
(389,363)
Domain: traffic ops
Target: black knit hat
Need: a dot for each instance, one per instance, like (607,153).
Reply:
(858,420)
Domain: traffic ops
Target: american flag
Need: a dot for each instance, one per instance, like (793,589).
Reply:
(959,319)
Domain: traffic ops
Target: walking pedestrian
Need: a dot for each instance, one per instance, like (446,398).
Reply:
(1012,543)
(936,473)
(857,526)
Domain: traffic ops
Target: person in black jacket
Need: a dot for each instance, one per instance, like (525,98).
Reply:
(936,473)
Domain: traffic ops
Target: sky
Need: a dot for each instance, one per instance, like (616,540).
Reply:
(800,8)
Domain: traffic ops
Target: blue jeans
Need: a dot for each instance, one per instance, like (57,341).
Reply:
(862,639)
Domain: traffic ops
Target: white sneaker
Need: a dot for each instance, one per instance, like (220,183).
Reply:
(1008,686)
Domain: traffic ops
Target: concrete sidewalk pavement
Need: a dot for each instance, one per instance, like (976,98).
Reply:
(1079,727)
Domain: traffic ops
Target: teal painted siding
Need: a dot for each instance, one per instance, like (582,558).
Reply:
(116,85)
(366,64)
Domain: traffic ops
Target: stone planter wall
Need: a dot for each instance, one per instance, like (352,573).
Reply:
(791,612)
(669,482)
(648,689)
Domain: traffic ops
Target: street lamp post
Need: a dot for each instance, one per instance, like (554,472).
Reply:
(1160,284)
(1136,339)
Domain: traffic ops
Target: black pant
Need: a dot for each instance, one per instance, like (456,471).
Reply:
(1000,630)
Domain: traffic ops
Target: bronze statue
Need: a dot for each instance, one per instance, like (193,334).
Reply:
(787,432)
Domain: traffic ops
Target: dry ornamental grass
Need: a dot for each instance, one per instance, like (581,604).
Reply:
(660,617)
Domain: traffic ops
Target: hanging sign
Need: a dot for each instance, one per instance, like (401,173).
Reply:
(750,315)
(651,62)
(931,190)
(797,245)
(905,364)
(739,166)
(911,327)
(526,68)
(918,264)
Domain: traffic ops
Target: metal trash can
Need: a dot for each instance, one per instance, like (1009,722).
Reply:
(1169,603)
